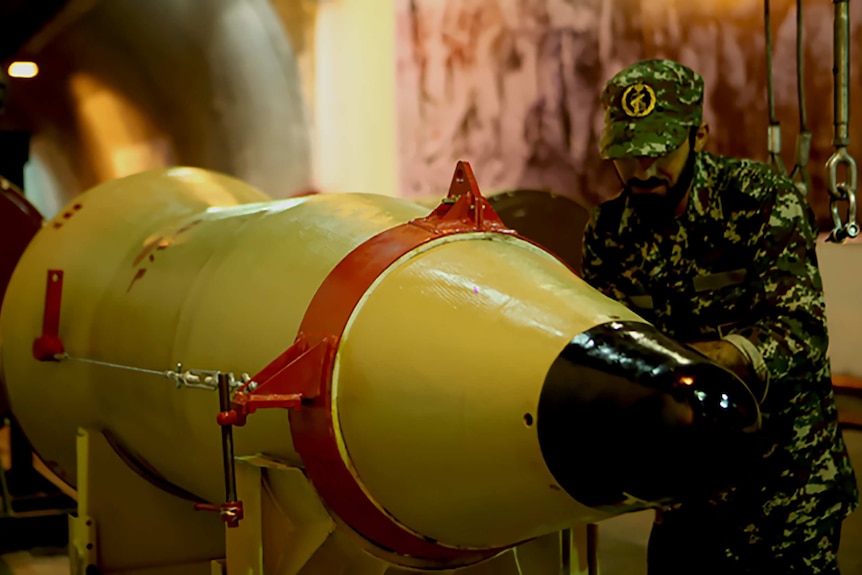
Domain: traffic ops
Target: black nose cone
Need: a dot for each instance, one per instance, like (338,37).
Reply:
(629,418)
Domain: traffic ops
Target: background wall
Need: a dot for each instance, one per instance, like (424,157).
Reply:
(345,53)
(513,85)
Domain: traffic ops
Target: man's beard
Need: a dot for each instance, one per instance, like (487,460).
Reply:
(654,208)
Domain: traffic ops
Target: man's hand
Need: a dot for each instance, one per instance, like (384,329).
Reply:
(727,355)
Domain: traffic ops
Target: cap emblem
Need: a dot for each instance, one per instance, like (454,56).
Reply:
(638,100)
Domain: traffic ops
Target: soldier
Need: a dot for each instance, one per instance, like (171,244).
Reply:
(719,253)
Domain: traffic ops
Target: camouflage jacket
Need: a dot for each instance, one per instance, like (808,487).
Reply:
(741,260)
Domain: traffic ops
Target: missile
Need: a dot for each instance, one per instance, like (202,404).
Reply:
(433,389)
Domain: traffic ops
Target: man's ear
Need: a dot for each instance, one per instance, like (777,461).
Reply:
(701,137)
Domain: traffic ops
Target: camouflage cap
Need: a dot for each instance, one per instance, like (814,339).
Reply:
(649,109)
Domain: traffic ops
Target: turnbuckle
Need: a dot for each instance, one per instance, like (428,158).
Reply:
(231,511)
(203,378)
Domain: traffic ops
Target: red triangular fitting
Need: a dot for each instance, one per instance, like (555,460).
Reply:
(465,208)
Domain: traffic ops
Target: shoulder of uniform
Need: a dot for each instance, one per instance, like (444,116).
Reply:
(748,184)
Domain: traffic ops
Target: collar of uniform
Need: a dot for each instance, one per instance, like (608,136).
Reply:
(704,199)
(627,217)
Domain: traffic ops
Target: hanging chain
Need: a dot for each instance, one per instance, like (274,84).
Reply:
(842,191)
(774,133)
(800,174)
(191,378)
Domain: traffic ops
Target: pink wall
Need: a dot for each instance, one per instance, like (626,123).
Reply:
(512,85)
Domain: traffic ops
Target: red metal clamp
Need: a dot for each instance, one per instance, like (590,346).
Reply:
(231,511)
(295,376)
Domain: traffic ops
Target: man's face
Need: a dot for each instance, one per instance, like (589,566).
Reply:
(655,176)
(658,187)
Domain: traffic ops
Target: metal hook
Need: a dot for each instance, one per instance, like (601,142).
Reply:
(842,192)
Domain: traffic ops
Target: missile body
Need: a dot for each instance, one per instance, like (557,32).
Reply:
(477,396)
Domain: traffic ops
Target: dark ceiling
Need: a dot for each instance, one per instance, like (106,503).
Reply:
(21,20)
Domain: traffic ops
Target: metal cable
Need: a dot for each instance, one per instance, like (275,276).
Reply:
(191,378)
(800,68)
(770,86)
(800,173)
(66,356)
(774,130)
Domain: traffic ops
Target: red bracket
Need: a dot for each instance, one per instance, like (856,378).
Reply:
(231,511)
(49,345)
(465,209)
(295,376)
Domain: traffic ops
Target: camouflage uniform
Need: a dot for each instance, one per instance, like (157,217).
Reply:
(740,265)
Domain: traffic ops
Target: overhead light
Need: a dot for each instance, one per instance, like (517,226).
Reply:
(23,69)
